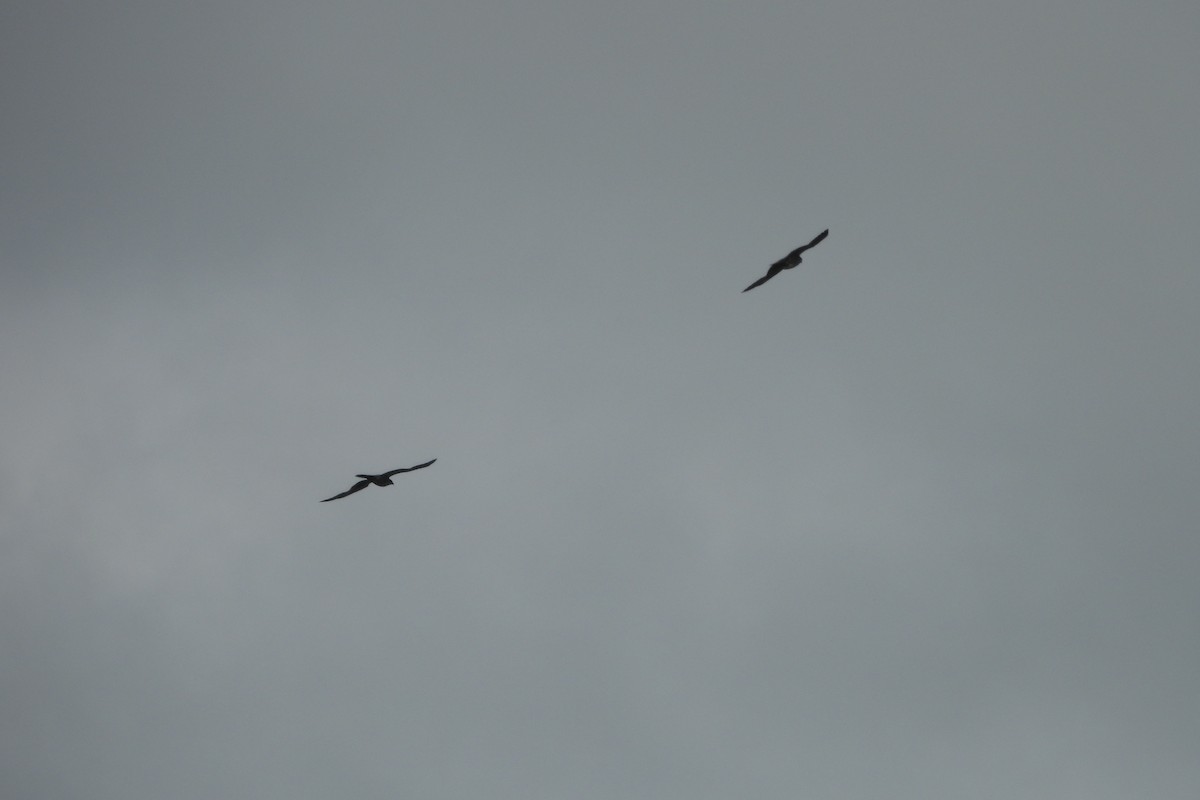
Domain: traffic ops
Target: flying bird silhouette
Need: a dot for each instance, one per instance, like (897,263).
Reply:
(787,262)
(379,480)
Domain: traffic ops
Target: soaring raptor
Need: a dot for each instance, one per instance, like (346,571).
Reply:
(379,480)
(787,262)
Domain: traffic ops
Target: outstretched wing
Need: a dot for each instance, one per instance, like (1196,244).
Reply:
(355,488)
(771,273)
(408,469)
(816,241)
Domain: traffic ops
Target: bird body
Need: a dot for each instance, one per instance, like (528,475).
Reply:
(378,480)
(383,479)
(789,261)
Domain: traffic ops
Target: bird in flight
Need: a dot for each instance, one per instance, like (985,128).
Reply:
(787,262)
(379,480)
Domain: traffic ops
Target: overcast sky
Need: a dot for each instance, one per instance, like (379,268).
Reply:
(918,519)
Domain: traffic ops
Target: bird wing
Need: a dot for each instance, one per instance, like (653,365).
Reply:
(816,241)
(355,488)
(408,469)
(771,273)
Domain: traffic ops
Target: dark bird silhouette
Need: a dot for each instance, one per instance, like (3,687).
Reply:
(787,262)
(379,480)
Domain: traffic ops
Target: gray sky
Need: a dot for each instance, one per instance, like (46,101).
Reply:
(916,520)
